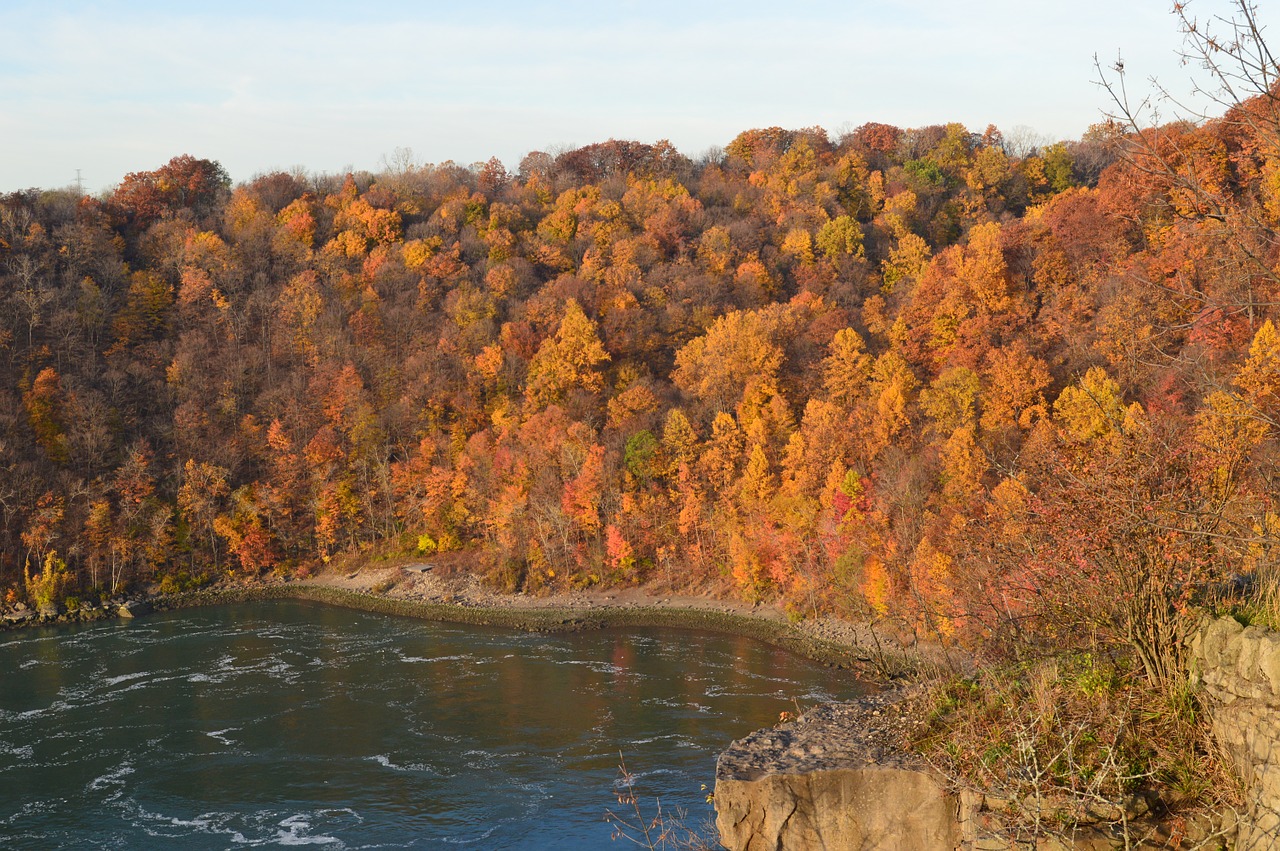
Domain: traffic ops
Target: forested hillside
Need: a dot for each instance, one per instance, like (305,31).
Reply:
(916,373)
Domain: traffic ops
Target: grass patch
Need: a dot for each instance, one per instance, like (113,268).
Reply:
(1080,740)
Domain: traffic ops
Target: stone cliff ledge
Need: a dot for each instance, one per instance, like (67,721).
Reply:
(839,778)
(836,778)
(1238,669)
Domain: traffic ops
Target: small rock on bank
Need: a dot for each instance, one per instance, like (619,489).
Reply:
(133,608)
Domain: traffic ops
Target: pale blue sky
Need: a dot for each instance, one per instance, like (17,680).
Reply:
(111,88)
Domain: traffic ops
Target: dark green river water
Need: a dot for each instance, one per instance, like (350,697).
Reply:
(287,723)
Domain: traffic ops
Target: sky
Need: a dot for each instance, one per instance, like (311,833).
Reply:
(112,88)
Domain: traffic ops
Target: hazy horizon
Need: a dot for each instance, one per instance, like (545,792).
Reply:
(110,89)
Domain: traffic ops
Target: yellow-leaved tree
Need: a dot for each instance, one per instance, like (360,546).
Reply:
(1091,408)
(571,358)
(1259,376)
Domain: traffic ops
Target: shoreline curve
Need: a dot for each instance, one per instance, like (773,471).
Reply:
(551,619)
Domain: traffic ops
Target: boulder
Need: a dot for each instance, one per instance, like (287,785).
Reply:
(133,608)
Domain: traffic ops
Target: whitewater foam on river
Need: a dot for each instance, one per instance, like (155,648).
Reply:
(286,723)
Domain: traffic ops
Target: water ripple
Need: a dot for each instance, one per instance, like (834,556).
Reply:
(283,724)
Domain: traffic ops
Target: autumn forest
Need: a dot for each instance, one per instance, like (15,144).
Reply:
(982,389)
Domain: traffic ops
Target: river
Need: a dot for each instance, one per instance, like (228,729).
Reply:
(289,723)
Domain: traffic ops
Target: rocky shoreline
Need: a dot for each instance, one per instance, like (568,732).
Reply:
(21,615)
(418,592)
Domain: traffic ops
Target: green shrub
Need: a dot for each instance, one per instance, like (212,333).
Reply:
(182,581)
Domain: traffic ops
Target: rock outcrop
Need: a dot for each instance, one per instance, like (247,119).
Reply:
(833,779)
(1238,669)
(839,778)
